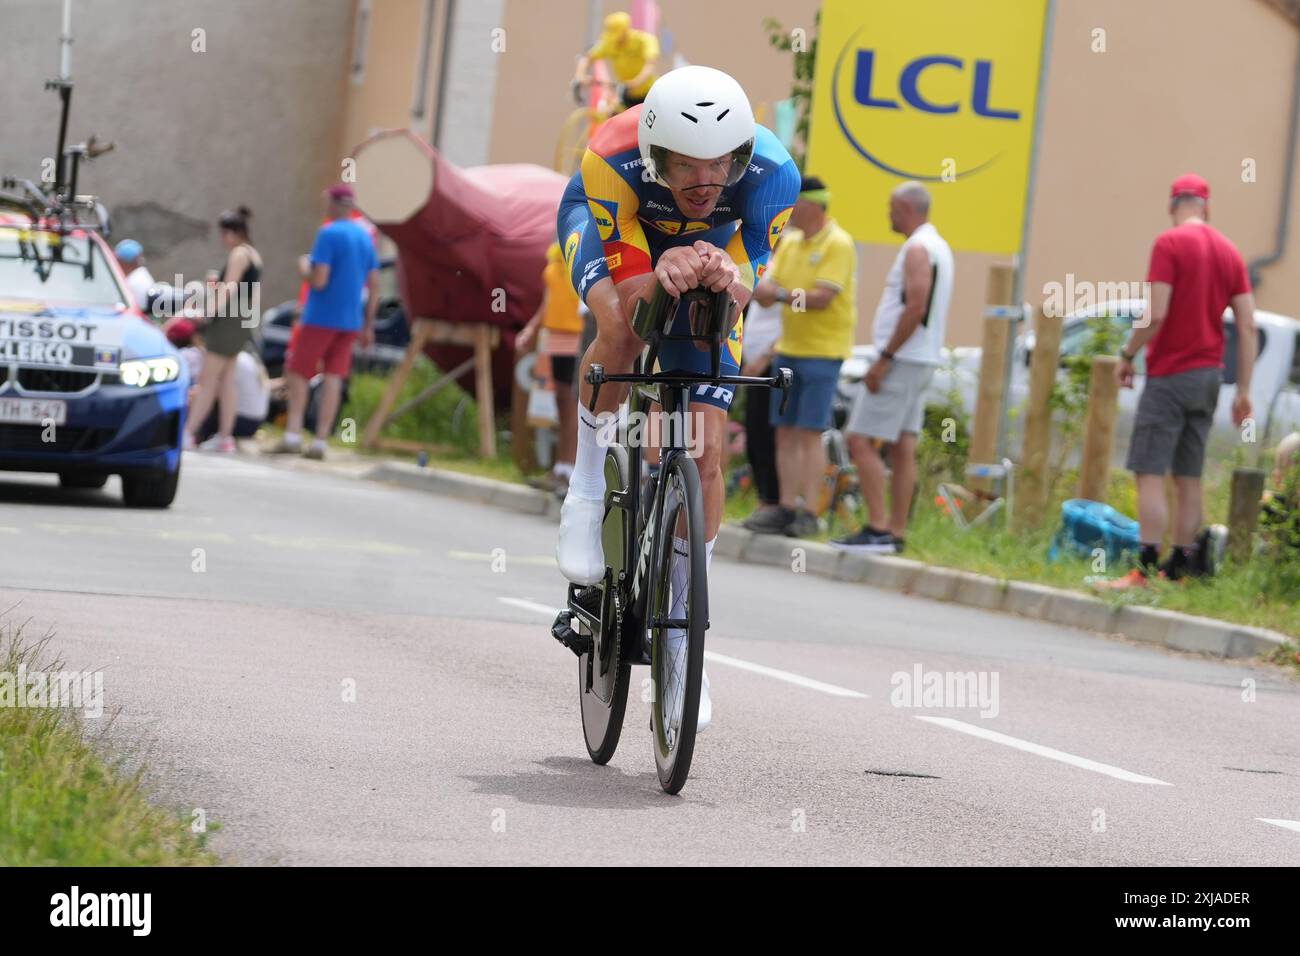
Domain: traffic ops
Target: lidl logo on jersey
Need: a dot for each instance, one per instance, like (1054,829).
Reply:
(605,212)
(952,106)
(775,226)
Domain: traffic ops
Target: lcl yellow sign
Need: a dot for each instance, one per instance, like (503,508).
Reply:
(940,91)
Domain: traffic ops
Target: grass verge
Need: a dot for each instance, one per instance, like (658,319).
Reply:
(62,803)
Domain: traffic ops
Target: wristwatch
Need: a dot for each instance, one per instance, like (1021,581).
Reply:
(1126,357)
(886,354)
(783,295)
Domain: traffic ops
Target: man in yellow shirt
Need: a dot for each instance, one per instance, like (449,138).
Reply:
(814,273)
(632,56)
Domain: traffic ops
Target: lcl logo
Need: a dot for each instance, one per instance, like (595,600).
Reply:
(909,81)
(872,89)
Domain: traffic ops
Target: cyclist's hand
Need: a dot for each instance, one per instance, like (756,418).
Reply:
(678,270)
(719,271)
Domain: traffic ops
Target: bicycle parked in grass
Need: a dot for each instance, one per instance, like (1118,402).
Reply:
(625,618)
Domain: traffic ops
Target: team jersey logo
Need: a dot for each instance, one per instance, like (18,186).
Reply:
(614,261)
(571,246)
(695,226)
(605,212)
(776,225)
(734,340)
(670,226)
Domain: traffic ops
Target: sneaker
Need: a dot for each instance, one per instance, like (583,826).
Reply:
(285,447)
(579,551)
(187,442)
(218,444)
(315,451)
(899,544)
(867,541)
(802,525)
(770,520)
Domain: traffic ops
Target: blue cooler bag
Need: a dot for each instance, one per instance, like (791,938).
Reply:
(1088,525)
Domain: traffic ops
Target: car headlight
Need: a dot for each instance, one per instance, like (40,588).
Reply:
(155,371)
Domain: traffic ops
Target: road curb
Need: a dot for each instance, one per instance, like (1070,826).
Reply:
(1170,629)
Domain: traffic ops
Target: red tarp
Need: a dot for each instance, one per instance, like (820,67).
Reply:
(475,251)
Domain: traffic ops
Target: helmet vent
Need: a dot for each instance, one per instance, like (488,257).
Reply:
(703,104)
(690,117)
(723,113)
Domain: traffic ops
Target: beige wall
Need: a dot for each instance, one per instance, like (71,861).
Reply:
(1169,96)
(253,120)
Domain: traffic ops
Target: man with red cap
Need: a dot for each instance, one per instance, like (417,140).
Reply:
(1195,274)
(343,272)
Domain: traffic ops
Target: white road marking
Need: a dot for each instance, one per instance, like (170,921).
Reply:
(530,606)
(544,559)
(333,544)
(797,679)
(8,531)
(1042,751)
(789,678)
(1284,824)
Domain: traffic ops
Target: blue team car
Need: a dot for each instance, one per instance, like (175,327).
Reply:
(88,386)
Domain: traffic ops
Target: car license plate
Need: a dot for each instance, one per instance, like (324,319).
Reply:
(32,411)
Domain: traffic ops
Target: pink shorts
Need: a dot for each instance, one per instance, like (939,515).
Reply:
(314,346)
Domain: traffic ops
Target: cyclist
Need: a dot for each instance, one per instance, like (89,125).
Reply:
(688,191)
(632,55)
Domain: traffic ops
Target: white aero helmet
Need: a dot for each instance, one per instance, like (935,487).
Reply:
(699,112)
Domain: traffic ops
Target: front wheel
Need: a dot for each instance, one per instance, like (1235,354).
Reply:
(677,616)
(151,489)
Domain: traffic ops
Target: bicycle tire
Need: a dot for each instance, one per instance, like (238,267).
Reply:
(604,705)
(673,730)
(572,141)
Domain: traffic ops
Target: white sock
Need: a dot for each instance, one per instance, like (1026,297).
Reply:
(563,469)
(318,443)
(292,438)
(588,478)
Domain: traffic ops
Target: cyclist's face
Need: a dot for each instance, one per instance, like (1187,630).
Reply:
(696,184)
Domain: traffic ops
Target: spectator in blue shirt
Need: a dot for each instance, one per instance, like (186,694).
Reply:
(343,272)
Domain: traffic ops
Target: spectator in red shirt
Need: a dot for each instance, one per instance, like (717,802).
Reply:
(1195,273)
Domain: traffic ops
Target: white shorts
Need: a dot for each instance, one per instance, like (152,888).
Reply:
(898,407)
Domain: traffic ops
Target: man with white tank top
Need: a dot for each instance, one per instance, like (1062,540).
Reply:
(908,332)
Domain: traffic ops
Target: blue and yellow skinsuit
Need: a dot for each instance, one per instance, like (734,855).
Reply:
(613,223)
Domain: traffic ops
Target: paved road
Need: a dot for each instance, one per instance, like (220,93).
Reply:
(231,627)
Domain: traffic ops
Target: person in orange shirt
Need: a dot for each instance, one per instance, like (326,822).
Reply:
(560,323)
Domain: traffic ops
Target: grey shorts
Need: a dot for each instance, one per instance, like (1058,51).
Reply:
(898,407)
(1173,421)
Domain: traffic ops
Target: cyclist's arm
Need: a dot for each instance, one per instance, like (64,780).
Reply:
(764,203)
(650,52)
(613,206)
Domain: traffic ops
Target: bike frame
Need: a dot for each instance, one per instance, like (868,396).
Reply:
(626,600)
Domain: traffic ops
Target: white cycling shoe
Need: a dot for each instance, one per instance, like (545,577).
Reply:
(579,551)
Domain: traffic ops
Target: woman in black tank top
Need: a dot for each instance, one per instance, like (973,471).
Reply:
(235,307)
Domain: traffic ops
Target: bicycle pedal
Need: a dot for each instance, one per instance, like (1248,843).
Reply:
(563,632)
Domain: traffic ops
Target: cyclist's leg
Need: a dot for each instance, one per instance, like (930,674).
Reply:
(579,551)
